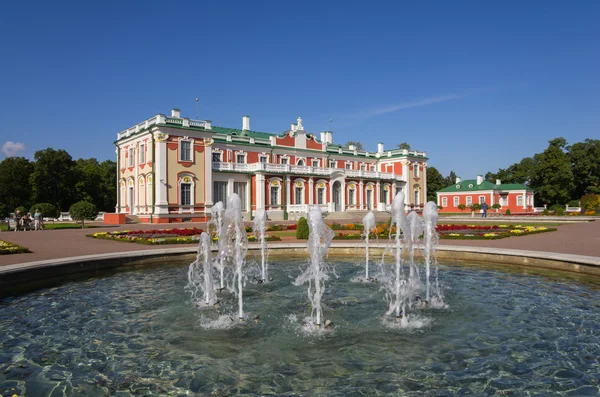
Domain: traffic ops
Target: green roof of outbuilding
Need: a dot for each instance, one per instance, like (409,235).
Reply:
(470,185)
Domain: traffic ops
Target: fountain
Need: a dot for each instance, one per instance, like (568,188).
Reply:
(369,224)
(319,239)
(430,238)
(217,223)
(235,243)
(200,277)
(260,227)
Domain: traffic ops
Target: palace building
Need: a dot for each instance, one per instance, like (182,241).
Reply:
(513,196)
(173,169)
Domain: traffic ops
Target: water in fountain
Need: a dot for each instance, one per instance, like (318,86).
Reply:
(217,222)
(200,275)
(430,239)
(235,243)
(319,239)
(369,224)
(260,227)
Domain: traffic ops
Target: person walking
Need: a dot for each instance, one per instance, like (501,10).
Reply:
(18,221)
(37,216)
(484,208)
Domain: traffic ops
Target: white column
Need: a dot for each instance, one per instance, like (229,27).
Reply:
(311,191)
(288,196)
(360,195)
(424,183)
(377,198)
(343,195)
(230,187)
(260,191)
(208,180)
(160,181)
(136,186)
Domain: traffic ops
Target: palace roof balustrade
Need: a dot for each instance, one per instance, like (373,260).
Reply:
(303,170)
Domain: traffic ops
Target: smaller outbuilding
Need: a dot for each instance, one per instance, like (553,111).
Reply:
(513,196)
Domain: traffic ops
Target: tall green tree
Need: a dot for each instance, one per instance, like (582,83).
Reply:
(585,163)
(435,182)
(53,178)
(357,144)
(552,178)
(15,188)
(520,172)
(450,179)
(88,181)
(108,172)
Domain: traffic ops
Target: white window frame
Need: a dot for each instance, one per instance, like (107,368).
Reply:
(416,171)
(332,164)
(481,199)
(279,187)
(348,165)
(444,202)
(520,200)
(143,153)
(181,180)
(242,155)
(301,189)
(284,157)
(315,163)
(469,200)
(263,157)
(180,149)
(456,201)
(352,195)
(299,159)
(417,196)
(130,153)
(218,153)
(363,167)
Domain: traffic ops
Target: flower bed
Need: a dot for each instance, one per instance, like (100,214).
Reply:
(480,232)
(153,236)
(7,248)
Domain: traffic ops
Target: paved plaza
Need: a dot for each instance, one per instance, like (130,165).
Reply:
(581,238)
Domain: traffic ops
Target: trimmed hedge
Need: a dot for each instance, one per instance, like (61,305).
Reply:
(302,231)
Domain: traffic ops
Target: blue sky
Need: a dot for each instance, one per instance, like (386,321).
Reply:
(476,85)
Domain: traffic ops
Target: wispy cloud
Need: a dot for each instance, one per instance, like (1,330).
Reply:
(406,105)
(11,148)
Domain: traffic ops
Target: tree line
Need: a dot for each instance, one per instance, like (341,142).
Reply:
(561,174)
(54,177)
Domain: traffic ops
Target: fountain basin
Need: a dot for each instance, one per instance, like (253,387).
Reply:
(135,332)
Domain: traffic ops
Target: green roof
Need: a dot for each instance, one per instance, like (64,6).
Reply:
(231,131)
(470,185)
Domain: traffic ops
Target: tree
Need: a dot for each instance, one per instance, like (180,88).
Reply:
(108,188)
(15,189)
(302,230)
(82,210)
(462,207)
(357,145)
(517,173)
(585,164)
(48,210)
(496,207)
(88,183)
(552,177)
(450,179)
(404,145)
(435,183)
(53,179)
(474,208)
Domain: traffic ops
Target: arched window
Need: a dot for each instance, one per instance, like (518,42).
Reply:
(186,189)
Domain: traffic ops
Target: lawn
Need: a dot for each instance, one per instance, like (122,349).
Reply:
(54,226)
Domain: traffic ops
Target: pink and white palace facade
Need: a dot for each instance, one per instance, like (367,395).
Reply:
(173,169)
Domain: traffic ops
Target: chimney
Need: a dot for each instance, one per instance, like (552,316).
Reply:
(458,179)
(327,137)
(352,147)
(380,147)
(246,123)
(498,182)
(294,127)
(479,179)
(323,134)
(176,113)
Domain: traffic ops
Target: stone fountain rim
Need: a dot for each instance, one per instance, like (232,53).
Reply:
(537,259)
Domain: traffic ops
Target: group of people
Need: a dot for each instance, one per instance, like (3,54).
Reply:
(28,222)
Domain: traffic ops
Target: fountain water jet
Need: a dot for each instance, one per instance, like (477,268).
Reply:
(217,221)
(319,239)
(200,277)
(431,238)
(259,231)
(236,244)
(369,224)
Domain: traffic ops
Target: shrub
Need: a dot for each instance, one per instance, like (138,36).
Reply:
(83,210)
(573,203)
(496,207)
(302,230)
(48,210)
(545,212)
(462,207)
(507,211)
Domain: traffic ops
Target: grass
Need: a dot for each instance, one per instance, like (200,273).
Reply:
(55,226)
(498,222)
(282,233)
